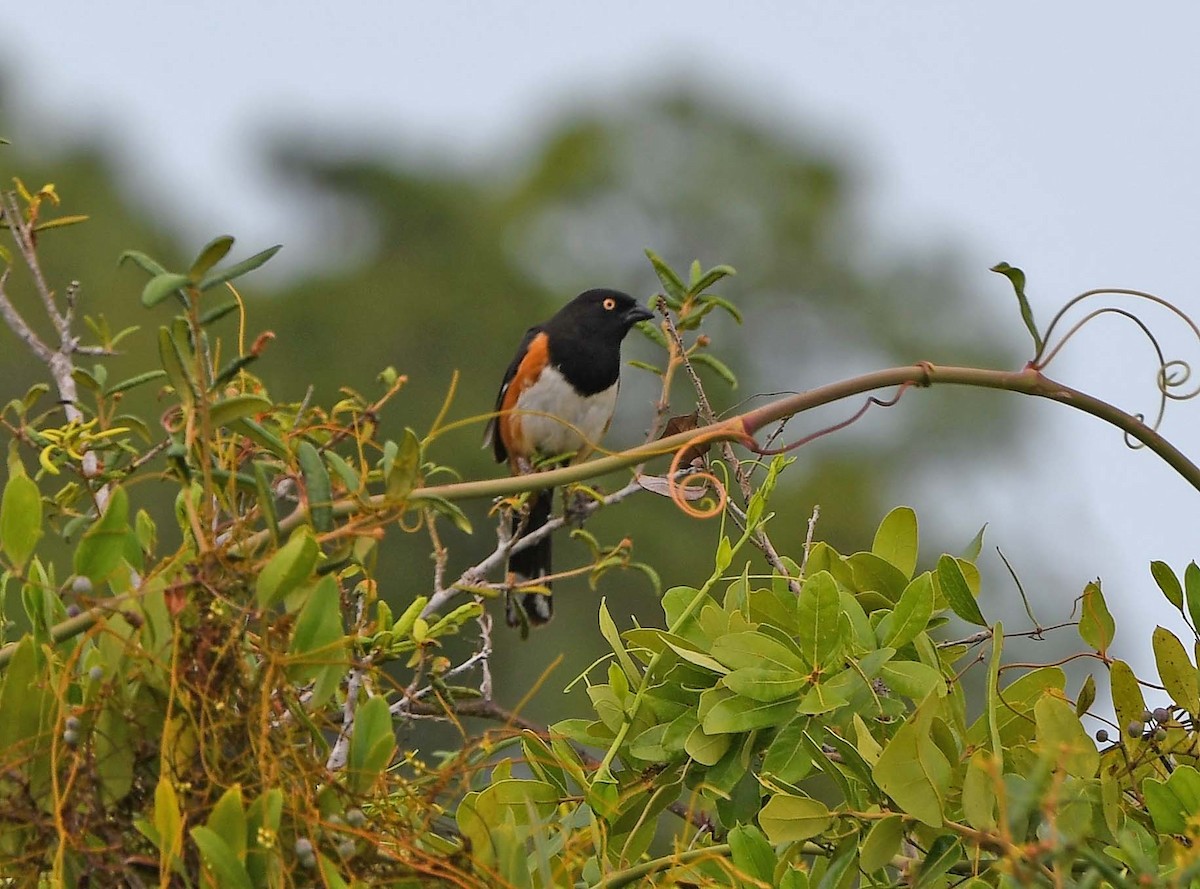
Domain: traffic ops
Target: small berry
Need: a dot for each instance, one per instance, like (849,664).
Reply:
(355,817)
(304,847)
(1161,714)
(72,723)
(96,674)
(70,737)
(81,585)
(1102,735)
(1147,715)
(74,610)
(308,861)
(1160,735)
(1135,729)
(346,849)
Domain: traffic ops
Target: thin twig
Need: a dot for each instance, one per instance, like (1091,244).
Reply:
(808,537)
(476,575)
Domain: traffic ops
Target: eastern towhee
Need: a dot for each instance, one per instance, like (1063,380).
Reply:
(556,402)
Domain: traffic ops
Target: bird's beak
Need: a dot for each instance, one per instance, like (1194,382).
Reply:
(636,314)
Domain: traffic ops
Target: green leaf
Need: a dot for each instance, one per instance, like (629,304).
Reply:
(114,758)
(214,251)
(291,565)
(608,629)
(762,684)
(228,820)
(739,714)
(1168,583)
(1017,278)
(786,757)
(1096,626)
(216,313)
(237,269)
(224,864)
(789,819)
(751,853)
(671,282)
(1191,586)
(102,546)
(750,648)
(20,517)
(720,368)
(177,369)
(897,538)
(266,501)
(405,472)
(317,485)
(263,815)
(1062,738)
(1126,694)
(913,679)
(1086,696)
(683,649)
(24,697)
(971,553)
(913,771)
(882,843)
(706,749)
(993,694)
(871,572)
(717,273)
(1176,670)
(145,263)
(979,791)
(318,643)
(958,595)
(1165,808)
(819,615)
(910,616)
(168,821)
(943,854)
(371,745)
(225,412)
(138,380)
(260,436)
(161,286)
(821,698)
(852,762)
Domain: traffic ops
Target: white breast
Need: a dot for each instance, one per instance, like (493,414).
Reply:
(552,397)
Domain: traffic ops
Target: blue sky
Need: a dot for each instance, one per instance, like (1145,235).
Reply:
(1061,137)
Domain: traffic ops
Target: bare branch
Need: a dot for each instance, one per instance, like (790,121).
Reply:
(22,233)
(477,574)
(17,324)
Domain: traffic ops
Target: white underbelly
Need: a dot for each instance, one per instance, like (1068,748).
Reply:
(558,420)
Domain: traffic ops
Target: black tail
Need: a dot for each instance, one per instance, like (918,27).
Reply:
(531,563)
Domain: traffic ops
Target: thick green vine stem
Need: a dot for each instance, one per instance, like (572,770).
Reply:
(741,428)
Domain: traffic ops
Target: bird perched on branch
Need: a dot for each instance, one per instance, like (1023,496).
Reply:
(554,406)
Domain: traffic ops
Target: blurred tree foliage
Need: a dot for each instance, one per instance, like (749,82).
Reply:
(456,263)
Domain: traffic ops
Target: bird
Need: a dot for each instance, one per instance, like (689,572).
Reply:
(555,404)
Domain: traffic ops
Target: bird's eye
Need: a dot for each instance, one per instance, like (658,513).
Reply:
(610,303)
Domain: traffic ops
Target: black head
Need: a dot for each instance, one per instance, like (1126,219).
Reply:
(586,335)
(602,313)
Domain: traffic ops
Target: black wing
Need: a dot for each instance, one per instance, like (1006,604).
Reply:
(491,435)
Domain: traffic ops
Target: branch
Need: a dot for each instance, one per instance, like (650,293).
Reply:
(506,546)
(740,428)
(62,368)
